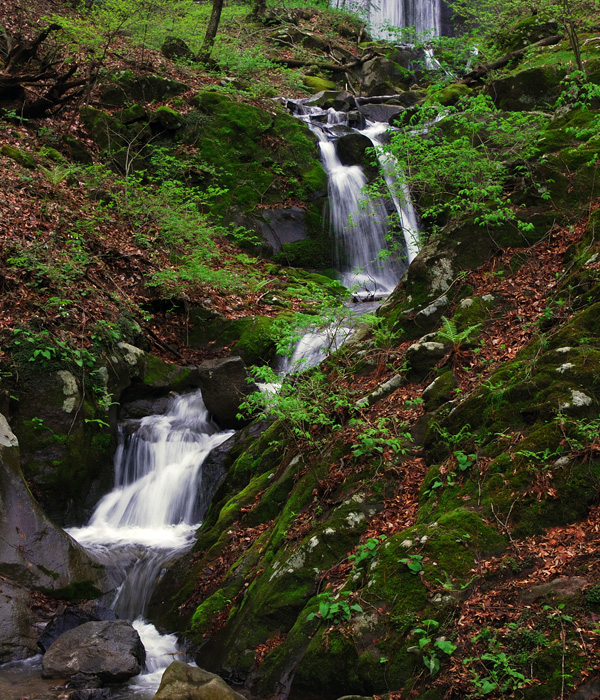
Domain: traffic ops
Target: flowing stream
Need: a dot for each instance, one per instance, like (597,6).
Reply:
(160,496)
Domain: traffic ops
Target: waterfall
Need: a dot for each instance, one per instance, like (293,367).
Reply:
(403,202)
(364,258)
(425,15)
(150,517)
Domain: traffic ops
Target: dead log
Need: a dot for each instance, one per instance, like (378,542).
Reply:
(33,86)
(23,52)
(332,67)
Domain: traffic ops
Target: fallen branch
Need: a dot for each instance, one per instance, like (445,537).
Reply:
(478,73)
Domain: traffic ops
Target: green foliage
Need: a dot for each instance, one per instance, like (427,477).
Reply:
(334,609)
(462,165)
(373,440)
(43,348)
(500,676)
(367,551)
(429,648)
(593,595)
(414,563)
(452,335)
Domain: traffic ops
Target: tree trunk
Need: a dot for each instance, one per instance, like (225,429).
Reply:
(211,32)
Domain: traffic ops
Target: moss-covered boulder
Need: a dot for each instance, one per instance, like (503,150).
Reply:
(19,156)
(125,86)
(528,89)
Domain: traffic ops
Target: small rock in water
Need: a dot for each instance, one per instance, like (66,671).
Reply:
(90,694)
(85,680)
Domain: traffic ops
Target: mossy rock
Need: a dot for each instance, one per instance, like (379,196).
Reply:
(450,95)
(528,89)
(134,113)
(21,157)
(257,342)
(168,118)
(311,254)
(440,391)
(316,84)
(260,158)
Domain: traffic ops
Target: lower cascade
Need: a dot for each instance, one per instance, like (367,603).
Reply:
(160,496)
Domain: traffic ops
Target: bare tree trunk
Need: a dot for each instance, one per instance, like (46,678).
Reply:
(211,32)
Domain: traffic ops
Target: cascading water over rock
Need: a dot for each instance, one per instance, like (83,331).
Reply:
(160,496)
(367,261)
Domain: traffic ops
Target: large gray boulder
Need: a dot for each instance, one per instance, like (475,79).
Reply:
(183,682)
(225,385)
(110,650)
(34,554)
(380,76)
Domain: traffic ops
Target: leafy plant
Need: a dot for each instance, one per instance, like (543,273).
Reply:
(464,461)
(413,562)
(367,551)
(451,334)
(334,609)
(499,675)
(429,647)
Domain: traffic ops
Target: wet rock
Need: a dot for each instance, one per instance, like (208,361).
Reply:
(380,113)
(18,630)
(356,120)
(72,617)
(90,694)
(111,650)
(34,553)
(283,226)
(422,358)
(144,407)
(225,385)
(183,682)
(352,149)
(85,680)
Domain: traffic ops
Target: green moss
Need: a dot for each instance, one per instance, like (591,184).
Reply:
(168,118)
(316,84)
(309,253)
(256,345)
(204,615)
(450,95)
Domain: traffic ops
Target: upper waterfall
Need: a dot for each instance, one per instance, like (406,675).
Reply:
(426,16)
